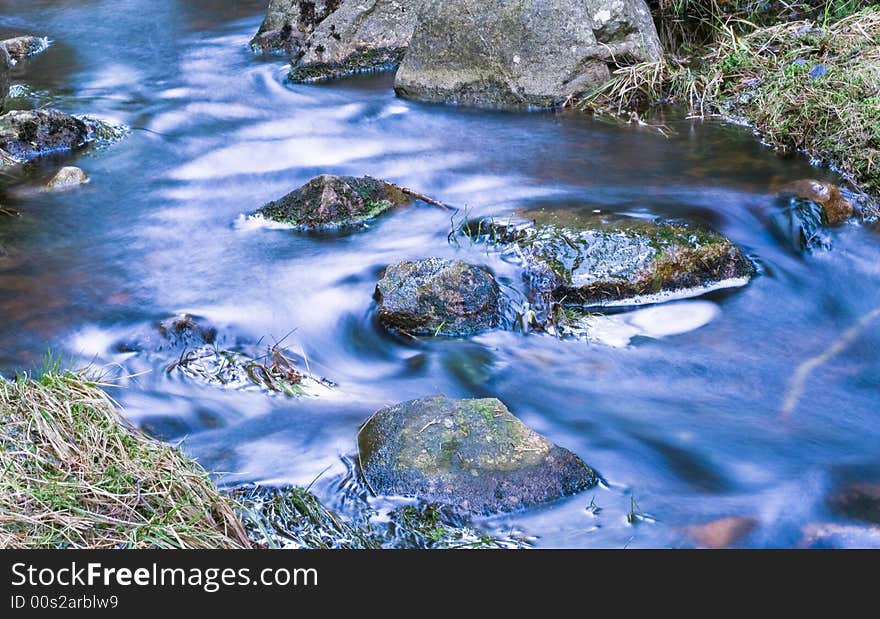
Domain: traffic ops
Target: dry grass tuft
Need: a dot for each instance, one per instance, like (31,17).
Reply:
(75,474)
(809,85)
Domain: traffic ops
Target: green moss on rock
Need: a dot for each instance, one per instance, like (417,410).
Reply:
(361,61)
(594,260)
(471,454)
(329,201)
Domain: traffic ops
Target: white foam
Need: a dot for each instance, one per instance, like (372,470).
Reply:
(676,295)
(258,222)
(618,330)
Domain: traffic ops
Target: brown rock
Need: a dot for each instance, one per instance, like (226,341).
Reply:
(722,533)
(837,208)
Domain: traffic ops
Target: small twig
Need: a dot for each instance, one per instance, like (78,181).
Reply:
(802,373)
(424,198)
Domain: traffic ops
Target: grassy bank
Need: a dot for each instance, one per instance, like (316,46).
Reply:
(75,474)
(806,75)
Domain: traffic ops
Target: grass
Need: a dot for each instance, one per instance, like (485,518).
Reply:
(804,74)
(75,474)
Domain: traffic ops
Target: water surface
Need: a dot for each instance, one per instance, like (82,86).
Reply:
(686,428)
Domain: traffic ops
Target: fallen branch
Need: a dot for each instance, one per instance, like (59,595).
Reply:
(424,198)
(802,373)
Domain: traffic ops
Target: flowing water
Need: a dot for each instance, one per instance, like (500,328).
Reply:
(680,408)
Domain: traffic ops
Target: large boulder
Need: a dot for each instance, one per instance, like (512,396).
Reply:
(526,53)
(359,36)
(471,454)
(438,297)
(589,260)
(5,67)
(288,24)
(330,201)
(27,134)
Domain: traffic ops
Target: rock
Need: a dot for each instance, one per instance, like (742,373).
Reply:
(722,533)
(836,208)
(527,53)
(288,23)
(438,297)
(473,455)
(329,201)
(358,36)
(183,331)
(20,48)
(27,134)
(67,178)
(5,67)
(586,260)
(858,501)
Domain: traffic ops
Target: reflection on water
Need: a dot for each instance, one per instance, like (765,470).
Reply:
(678,405)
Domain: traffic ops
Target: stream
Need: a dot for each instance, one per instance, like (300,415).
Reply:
(680,408)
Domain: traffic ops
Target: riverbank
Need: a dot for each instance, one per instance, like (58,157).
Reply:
(77,474)
(805,78)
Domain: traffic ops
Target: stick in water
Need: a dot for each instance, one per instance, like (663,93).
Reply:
(424,198)
(799,379)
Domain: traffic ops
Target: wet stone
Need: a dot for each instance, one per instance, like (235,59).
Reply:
(473,455)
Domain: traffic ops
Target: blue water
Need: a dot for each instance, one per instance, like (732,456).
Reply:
(686,428)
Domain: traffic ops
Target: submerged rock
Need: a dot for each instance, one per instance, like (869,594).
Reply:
(836,207)
(803,211)
(858,501)
(358,36)
(329,201)
(438,297)
(471,454)
(722,533)
(21,47)
(67,178)
(588,261)
(529,53)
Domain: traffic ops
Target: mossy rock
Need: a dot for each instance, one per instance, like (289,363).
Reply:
(438,297)
(28,134)
(590,260)
(361,61)
(329,201)
(473,455)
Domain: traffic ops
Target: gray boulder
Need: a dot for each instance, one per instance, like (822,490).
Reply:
(537,53)
(438,297)
(330,201)
(288,24)
(471,454)
(5,67)
(359,36)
